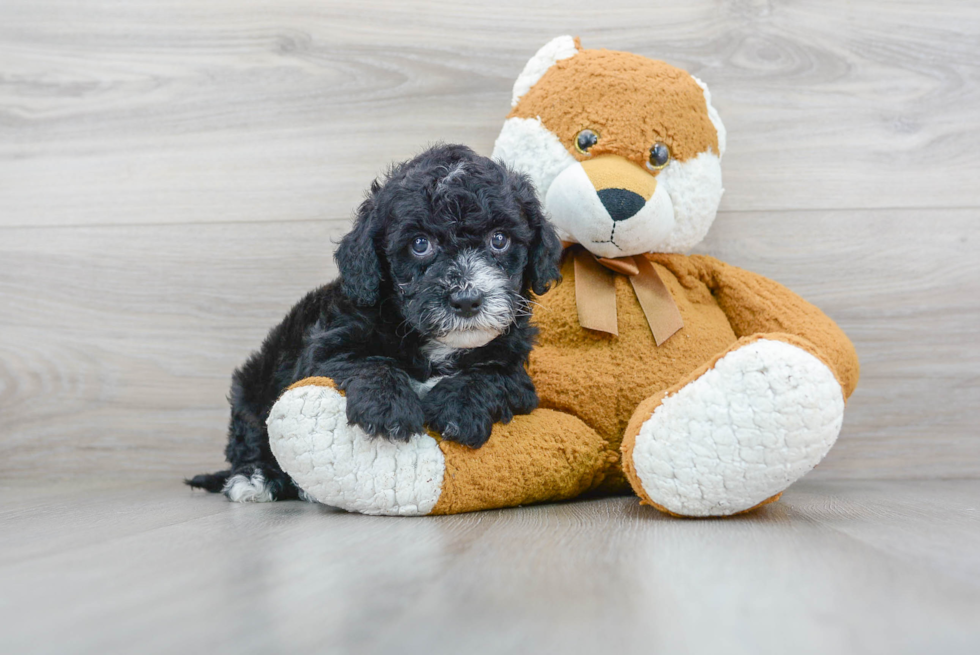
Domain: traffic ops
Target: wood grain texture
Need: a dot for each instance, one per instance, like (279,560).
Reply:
(118,341)
(835,567)
(173,176)
(136,112)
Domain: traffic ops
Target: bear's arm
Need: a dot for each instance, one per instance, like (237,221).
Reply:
(756,305)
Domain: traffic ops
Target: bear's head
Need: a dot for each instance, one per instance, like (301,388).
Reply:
(625,151)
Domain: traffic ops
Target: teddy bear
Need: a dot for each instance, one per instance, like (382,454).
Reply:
(702,388)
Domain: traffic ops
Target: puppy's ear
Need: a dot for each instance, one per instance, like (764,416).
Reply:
(545,251)
(357,255)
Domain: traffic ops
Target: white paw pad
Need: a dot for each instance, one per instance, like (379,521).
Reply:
(338,464)
(756,422)
(242,489)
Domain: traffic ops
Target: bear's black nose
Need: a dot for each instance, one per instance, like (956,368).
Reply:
(466,303)
(621,203)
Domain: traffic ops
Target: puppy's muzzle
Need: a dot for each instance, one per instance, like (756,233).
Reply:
(466,303)
(478,304)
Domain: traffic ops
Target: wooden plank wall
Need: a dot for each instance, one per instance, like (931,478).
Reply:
(173,176)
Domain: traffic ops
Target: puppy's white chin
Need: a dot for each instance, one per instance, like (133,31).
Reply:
(473,338)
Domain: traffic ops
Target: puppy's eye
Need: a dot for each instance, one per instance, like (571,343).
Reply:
(421,246)
(659,156)
(499,241)
(585,140)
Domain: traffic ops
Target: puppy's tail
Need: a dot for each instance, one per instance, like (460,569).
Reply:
(213,482)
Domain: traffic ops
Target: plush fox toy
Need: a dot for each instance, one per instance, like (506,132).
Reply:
(704,389)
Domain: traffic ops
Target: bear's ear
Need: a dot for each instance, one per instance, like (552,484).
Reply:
(357,255)
(713,117)
(559,48)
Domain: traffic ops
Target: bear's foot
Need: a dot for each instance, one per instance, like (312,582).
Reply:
(338,464)
(735,434)
(542,456)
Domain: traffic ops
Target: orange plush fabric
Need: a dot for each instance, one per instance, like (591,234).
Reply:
(602,379)
(610,92)
(544,456)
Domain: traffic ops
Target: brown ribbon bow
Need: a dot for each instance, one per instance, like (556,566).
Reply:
(595,293)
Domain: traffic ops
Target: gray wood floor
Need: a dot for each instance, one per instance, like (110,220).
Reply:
(837,567)
(173,175)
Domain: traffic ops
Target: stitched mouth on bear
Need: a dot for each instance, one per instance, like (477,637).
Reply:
(612,237)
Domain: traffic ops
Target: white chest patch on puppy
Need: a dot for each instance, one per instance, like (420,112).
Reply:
(472,338)
(438,352)
(422,388)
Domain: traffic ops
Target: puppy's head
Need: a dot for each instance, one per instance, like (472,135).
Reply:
(456,240)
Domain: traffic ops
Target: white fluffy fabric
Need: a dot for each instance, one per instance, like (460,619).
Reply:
(241,489)
(525,145)
(574,206)
(759,420)
(339,465)
(559,48)
(695,190)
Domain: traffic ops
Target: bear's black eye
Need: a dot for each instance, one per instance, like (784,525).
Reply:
(585,140)
(499,241)
(659,156)
(421,246)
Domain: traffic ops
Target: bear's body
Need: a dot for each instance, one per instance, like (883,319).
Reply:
(602,379)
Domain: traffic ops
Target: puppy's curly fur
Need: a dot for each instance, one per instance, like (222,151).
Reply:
(435,283)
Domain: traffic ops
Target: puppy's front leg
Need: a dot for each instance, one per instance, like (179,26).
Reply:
(465,406)
(381,401)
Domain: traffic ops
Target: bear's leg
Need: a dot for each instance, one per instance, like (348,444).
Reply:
(542,456)
(737,432)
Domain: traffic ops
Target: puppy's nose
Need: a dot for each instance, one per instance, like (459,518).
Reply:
(466,303)
(621,203)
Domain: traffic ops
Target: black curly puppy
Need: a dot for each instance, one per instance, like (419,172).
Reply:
(428,324)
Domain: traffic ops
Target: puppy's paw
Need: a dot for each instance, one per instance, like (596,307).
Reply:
(394,412)
(457,416)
